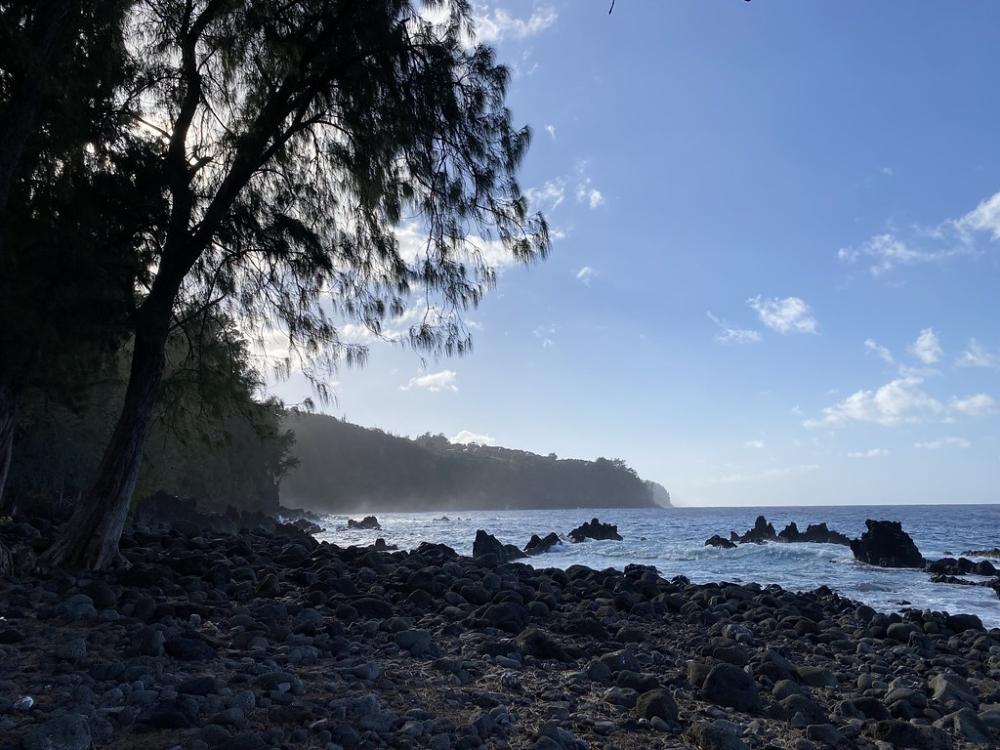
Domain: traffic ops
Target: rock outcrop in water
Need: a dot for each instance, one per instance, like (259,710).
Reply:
(537,545)
(886,544)
(487,544)
(594,529)
(995,552)
(763,533)
(718,541)
(368,522)
(817,533)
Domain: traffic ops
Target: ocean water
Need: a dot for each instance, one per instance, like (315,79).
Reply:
(673,540)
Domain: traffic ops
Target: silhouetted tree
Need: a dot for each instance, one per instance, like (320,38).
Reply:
(61,66)
(296,137)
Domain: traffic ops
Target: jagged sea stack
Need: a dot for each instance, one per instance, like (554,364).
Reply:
(886,544)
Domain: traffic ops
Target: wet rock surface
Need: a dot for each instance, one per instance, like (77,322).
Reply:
(594,529)
(886,544)
(264,638)
(368,522)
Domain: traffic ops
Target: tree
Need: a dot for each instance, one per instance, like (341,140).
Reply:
(61,65)
(297,137)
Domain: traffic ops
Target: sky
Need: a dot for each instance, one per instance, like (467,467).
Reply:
(774,279)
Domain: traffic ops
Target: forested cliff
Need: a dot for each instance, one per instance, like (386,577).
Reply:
(344,467)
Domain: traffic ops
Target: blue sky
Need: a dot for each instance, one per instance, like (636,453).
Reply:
(777,259)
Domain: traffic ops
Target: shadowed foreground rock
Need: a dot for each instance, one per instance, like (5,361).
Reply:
(264,638)
(886,544)
(487,544)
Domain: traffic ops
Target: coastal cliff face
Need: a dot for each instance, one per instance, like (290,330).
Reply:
(345,467)
(263,638)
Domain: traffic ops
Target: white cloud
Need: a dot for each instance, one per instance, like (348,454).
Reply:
(776,473)
(947,442)
(496,24)
(731,335)
(754,443)
(887,171)
(976,355)
(548,196)
(433,381)
(935,244)
(927,347)
(551,130)
(974,406)
(984,218)
(789,315)
(586,275)
(413,248)
(871,453)
(901,400)
(465,437)
(591,196)
(873,347)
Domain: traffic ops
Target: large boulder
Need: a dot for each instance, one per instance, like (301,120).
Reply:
(728,685)
(886,544)
(487,544)
(368,522)
(594,529)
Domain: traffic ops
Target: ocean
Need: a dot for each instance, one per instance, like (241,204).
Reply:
(673,540)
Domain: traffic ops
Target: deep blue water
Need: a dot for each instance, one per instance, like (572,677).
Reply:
(673,541)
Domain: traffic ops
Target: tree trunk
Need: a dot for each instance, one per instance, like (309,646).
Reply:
(90,537)
(8,420)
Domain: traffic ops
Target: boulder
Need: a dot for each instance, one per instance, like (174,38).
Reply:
(487,544)
(537,545)
(728,685)
(368,522)
(67,732)
(594,529)
(718,541)
(886,545)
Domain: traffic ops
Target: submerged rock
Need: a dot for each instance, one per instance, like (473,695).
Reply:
(594,529)
(718,541)
(886,544)
(995,552)
(368,522)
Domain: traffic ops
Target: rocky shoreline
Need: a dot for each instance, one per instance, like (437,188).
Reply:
(250,634)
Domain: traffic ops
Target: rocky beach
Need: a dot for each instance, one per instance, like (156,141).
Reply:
(239,632)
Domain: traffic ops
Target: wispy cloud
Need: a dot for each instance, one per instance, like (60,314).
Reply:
(775,473)
(952,238)
(946,442)
(548,196)
(444,380)
(974,406)
(754,443)
(873,347)
(586,275)
(465,437)
(870,453)
(927,347)
(729,334)
(546,334)
(976,355)
(788,315)
(498,23)
(551,130)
